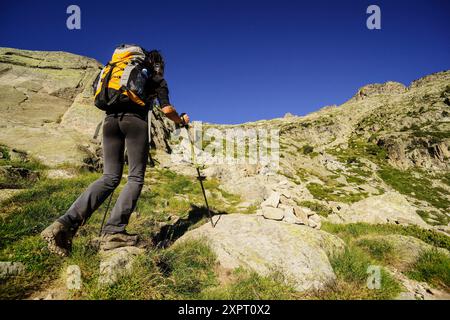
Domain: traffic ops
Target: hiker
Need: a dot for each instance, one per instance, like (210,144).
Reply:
(126,90)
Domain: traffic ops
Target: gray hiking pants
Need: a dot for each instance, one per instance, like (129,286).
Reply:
(119,130)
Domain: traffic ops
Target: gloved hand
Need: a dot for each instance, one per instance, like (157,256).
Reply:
(184,119)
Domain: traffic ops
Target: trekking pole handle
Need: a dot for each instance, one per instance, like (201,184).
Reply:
(183,123)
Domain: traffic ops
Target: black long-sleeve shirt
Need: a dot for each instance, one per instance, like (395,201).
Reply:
(156,87)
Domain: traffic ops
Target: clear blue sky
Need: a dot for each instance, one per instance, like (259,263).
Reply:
(235,61)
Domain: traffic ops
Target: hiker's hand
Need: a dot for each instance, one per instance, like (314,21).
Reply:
(184,118)
(172,114)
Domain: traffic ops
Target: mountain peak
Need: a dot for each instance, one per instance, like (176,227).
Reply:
(387,88)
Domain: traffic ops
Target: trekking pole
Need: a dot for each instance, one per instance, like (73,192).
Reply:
(96,134)
(149,117)
(200,177)
(104,215)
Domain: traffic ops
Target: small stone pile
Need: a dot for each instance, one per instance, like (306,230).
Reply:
(280,206)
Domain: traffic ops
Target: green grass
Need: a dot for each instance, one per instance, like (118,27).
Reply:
(413,183)
(190,266)
(84,254)
(327,193)
(351,270)
(359,148)
(433,267)
(445,178)
(307,149)
(351,266)
(31,164)
(40,267)
(29,212)
(185,271)
(435,136)
(146,283)
(438,218)
(24,216)
(5,155)
(248,285)
(317,207)
(379,250)
(181,272)
(355,230)
(174,194)
(17,181)
(355,179)
(421,188)
(25,162)
(250,209)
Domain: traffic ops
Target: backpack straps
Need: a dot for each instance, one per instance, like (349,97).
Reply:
(104,95)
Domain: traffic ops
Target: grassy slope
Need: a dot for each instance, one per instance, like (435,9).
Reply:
(186,271)
(27,213)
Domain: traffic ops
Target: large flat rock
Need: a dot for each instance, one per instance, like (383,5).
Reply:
(47,105)
(299,252)
(391,207)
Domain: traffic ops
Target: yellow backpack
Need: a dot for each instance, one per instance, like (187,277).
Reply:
(123,79)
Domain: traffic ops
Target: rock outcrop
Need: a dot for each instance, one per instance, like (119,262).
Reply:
(423,152)
(249,241)
(47,107)
(388,88)
(46,103)
(390,207)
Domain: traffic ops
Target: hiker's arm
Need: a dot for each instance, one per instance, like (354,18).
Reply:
(162,91)
(173,115)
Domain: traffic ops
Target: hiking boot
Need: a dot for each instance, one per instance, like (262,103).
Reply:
(118,240)
(59,238)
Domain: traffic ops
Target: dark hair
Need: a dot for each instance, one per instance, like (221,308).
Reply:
(157,61)
(156,56)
